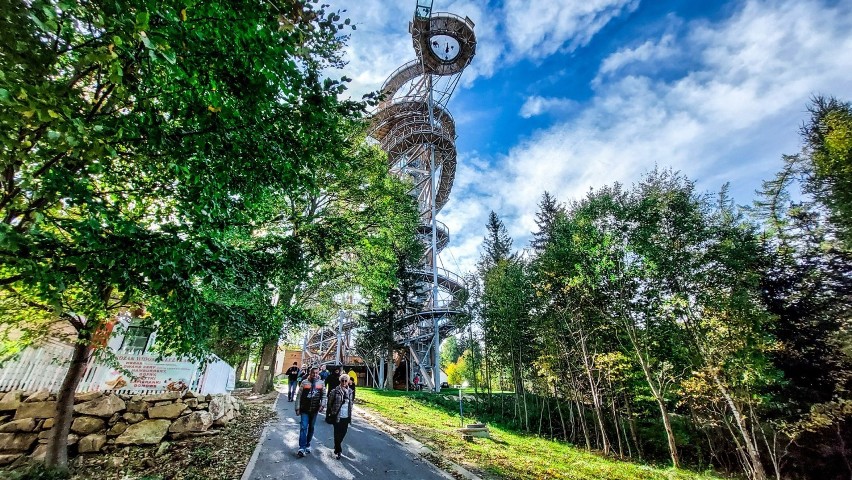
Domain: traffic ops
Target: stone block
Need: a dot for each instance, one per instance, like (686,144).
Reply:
(92,443)
(9,458)
(13,396)
(39,453)
(39,396)
(36,410)
(22,425)
(105,406)
(148,432)
(17,442)
(161,404)
(117,429)
(87,425)
(172,411)
(48,424)
(160,397)
(191,402)
(87,396)
(217,407)
(194,422)
(137,406)
(133,417)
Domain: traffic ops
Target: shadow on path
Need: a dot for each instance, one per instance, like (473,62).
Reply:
(367,453)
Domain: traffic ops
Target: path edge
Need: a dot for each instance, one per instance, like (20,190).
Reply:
(412,445)
(253,460)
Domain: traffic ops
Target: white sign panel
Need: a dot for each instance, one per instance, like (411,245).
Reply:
(150,374)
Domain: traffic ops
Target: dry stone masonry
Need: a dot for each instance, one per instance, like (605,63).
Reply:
(104,421)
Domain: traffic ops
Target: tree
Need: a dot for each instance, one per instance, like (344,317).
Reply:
(450,351)
(808,286)
(548,211)
(146,144)
(828,157)
(497,245)
(400,295)
(330,223)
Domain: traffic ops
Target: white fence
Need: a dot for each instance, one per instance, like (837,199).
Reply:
(37,368)
(44,368)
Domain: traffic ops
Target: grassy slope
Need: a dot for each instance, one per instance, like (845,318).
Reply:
(507,454)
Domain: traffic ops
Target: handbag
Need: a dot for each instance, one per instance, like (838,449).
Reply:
(329,418)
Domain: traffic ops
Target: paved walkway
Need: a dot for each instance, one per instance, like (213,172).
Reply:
(367,453)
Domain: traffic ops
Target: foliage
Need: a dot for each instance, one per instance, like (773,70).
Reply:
(509,453)
(148,153)
(450,351)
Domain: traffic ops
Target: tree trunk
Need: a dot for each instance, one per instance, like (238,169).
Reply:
(596,400)
(57,440)
(392,369)
(615,421)
(750,442)
(631,422)
(661,402)
(266,367)
(240,367)
(559,410)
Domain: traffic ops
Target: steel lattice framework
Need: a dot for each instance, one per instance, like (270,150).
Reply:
(412,124)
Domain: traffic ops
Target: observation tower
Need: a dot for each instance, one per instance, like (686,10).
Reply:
(413,125)
(415,128)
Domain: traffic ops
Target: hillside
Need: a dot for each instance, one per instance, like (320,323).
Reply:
(507,454)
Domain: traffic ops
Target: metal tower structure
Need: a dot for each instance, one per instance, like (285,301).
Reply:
(412,124)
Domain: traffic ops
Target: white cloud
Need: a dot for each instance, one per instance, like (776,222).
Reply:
(727,119)
(536,105)
(647,52)
(539,29)
(520,30)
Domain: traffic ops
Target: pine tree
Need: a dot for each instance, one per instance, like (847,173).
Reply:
(548,211)
(497,243)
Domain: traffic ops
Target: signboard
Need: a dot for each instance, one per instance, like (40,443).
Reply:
(166,374)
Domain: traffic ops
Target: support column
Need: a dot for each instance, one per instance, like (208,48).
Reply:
(436,364)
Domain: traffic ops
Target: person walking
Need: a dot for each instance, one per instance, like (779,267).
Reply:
(339,412)
(292,376)
(309,403)
(417,381)
(333,380)
(323,373)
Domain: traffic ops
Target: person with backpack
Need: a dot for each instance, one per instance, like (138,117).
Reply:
(309,402)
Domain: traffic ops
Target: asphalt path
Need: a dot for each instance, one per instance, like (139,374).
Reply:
(367,453)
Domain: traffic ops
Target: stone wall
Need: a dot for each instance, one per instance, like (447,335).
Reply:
(104,421)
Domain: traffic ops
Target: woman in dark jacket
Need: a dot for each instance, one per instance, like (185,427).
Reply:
(340,401)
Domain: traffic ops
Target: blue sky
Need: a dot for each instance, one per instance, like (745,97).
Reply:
(568,95)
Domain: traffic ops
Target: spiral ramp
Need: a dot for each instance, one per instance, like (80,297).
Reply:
(410,122)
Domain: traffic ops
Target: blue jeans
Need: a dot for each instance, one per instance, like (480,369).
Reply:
(292,390)
(306,429)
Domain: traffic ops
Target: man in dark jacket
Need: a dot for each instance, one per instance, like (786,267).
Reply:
(292,374)
(309,402)
(334,379)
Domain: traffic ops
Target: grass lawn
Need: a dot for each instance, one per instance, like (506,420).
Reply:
(507,454)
